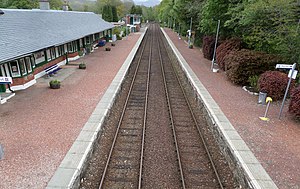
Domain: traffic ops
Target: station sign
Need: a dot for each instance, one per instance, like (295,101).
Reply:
(284,66)
(5,80)
(295,72)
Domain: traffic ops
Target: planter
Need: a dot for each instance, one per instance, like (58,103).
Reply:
(107,49)
(54,84)
(82,66)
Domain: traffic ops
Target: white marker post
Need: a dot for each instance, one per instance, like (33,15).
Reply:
(213,60)
(190,32)
(292,75)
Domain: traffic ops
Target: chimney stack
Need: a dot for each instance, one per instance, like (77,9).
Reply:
(44,5)
(65,6)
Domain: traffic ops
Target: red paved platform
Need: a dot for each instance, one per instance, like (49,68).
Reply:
(276,143)
(38,125)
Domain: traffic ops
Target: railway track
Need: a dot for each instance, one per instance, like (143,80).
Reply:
(157,142)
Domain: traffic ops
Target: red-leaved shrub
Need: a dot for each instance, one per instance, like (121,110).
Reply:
(225,48)
(208,47)
(294,107)
(274,83)
(240,65)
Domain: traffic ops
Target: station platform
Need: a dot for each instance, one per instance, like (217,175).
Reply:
(39,125)
(275,143)
(37,131)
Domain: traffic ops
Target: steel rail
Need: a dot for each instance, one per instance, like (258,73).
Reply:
(145,116)
(122,116)
(171,119)
(196,124)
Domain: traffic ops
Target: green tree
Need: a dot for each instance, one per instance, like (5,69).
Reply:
(107,13)
(132,10)
(114,14)
(269,26)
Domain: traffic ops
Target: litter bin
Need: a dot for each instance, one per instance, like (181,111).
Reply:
(262,98)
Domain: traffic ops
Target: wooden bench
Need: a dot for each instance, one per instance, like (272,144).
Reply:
(52,69)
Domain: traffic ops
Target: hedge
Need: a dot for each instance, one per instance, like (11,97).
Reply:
(274,83)
(294,107)
(240,65)
(208,47)
(225,48)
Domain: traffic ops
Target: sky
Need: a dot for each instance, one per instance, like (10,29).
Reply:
(147,2)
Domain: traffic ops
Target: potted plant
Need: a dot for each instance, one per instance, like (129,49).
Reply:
(82,65)
(54,84)
(107,48)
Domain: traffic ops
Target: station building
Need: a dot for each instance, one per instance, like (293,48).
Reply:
(134,22)
(33,40)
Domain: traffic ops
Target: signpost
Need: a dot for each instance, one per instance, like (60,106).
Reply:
(292,75)
(214,55)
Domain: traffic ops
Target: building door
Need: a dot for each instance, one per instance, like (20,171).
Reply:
(131,20)
(2,86)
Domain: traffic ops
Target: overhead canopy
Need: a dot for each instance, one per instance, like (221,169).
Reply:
(27,31)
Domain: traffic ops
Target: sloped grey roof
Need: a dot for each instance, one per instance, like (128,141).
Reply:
(26,31)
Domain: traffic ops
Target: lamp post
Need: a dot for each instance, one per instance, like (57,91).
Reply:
(190,33)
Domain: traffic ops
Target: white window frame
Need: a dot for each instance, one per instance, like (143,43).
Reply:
(22,64)
(53,53)
(28,63)
(48,53)
(41,57)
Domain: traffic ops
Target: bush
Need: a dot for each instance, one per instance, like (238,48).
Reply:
(240,65)
(274,83)
(294,107)
(208,47)
(225,48)
(253,81)
(54,82)
(117,31)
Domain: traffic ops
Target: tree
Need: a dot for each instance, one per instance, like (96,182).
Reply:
(114,14)
(133,9)
(107,13)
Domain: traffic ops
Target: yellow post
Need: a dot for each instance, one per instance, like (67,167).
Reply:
(268,101)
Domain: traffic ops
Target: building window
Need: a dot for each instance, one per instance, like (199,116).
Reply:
(48,54)
(97,36)
(61,50)
(14,68)
(32,61)
(75,46)
(70,48)
(39,57)
(22,66)
(28,64)
(53,53)
(87,39)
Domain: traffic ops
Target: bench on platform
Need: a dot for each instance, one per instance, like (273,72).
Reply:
(52,69)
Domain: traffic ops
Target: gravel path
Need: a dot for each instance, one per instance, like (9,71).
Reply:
(38,125)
